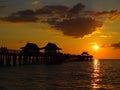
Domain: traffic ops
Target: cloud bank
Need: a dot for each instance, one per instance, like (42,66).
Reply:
(71,21)
(115,45)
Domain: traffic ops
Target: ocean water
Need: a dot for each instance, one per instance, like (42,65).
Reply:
(84,75)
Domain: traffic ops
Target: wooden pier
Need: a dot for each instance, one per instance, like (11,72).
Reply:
(15,58)
(30,54)
(85,57)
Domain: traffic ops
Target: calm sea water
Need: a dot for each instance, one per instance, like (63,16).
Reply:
(87,75)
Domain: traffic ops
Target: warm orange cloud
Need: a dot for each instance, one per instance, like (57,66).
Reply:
(105,36)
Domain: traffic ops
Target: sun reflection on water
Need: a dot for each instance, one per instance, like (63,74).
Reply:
(96,75)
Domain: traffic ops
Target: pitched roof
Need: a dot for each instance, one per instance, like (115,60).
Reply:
(51,46)
(30,46)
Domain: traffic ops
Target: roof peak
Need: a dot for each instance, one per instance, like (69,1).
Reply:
(51,46)
(30,45)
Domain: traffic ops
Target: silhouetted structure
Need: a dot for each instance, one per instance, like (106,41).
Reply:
(30,54)
(51,49)
(85,56)
(30,49)
(3,50)
(52,54)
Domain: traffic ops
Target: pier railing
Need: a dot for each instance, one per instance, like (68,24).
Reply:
(18,57)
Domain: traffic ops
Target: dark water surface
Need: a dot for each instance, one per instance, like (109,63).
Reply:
(88,75)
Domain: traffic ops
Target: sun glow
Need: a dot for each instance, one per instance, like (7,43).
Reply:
(96,75)
(96,47)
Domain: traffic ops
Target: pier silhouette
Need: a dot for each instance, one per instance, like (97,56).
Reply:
(31,54)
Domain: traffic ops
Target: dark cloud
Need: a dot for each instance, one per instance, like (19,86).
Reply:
(78,27)
(36,15)
(25,13)
(4,6)
(115,45)
(21,16)
(77,8)
(20,19)
(111,15)
(103,13)
(72,21)
(56,9)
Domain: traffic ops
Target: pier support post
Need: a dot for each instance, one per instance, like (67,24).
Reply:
(14,60)
(33,60)
(8,61)
(20,59)
(1,60)
(25,60)
(37,60)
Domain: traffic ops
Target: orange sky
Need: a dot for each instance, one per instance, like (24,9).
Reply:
(72,26)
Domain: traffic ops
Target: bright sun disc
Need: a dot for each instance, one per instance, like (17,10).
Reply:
(95,47)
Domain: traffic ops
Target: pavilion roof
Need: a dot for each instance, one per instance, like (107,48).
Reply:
(51,46)
(30,46)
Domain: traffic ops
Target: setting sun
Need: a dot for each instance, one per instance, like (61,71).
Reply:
(95,47)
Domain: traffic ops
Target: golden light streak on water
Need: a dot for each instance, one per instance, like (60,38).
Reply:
(96,75)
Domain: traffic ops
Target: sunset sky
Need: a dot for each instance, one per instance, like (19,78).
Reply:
(74,25)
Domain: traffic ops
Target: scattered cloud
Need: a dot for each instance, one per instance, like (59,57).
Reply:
(52,10)
(105,36)
(93,43)
(71,21)
(115,45)
(105,45)
(35,2)
(110,15)
(21,16)
(77,8)
(103,13)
